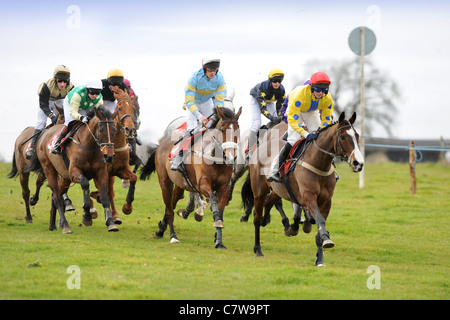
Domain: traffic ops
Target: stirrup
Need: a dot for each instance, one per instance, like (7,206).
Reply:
(274,177)
(56,149)
(30,153)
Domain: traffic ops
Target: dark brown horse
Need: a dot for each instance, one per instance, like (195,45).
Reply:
(120,167)
(312,182)
(209,167)
(84,158)
(23,167)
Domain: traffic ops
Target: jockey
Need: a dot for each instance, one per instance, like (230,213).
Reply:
(51,95)
(304,104)
(76,105)
(267,99)
(205,90)
(113,81)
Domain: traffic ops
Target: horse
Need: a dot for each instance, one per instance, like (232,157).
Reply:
(209,167)
(312,182)
(83,158)
(120,167)
(196,200)
(23,167)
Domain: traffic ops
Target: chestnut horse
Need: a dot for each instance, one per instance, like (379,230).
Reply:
(209,167)
(312,181)
(120,167)
(84,158)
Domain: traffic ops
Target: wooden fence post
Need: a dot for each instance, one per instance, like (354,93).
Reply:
(412,166)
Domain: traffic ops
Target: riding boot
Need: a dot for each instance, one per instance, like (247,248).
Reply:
(31,150)
(252,139)
(177,162)
(274,174)
(57,146)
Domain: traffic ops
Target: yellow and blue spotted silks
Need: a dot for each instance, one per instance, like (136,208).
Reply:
(302,100)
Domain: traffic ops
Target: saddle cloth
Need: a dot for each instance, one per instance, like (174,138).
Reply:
(294,154)
(186,143)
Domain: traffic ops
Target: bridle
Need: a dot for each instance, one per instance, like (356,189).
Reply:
(343,156)
(102,145)
(122,128)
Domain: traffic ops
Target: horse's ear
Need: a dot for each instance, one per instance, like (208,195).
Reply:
(353,118)
(238,113)
(342,117)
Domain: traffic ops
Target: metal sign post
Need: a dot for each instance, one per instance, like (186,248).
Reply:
(362,41)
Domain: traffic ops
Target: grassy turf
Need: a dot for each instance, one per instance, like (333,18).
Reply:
(405,235)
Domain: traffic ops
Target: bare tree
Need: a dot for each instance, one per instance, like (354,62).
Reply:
(380,92)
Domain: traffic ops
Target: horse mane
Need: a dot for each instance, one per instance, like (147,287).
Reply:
(105,112)
(326,128)
(228,113)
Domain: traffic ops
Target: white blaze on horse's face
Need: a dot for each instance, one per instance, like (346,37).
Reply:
(230,146)
(355,160)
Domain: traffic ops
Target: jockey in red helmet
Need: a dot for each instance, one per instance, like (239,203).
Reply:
(311,104)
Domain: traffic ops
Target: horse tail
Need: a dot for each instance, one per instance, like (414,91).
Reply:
(247,194)
(14,172)
(150,165)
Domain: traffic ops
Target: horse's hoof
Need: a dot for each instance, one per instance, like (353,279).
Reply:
(182,214)
(117,221)
(157,235)
(52,228)
(307,227)
(29,220)
(220,246)
(113,228)
(94,213)
(291,232)
(218,224)
(320,265)
(198,217)
(87,222)
(67,230)
(33,201)
(127,208)
(69,208)
(174,240)
(327,244)
(243,219)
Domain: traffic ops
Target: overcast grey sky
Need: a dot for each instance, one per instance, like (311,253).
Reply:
(158,45)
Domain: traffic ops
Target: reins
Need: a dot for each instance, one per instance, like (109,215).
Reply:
(101,145)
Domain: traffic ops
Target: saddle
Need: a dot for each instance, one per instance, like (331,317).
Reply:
(295,153)
(187,143)
(72,129)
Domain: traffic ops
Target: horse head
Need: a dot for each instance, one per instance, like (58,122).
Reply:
(229,126)
(347,141)
(104,133)
(124,112)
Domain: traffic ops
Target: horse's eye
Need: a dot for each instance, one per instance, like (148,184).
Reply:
(342,137)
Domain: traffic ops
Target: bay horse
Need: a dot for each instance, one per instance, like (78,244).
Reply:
(84,158)
(196,200)
(209,167)
(312,181)
(22,167)
(120,167)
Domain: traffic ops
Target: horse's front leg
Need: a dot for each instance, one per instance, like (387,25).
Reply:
(111,195)
(323,240)
(128,206)
(103,179)
(222,195)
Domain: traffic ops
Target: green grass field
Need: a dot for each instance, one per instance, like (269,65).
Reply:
(405,236)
